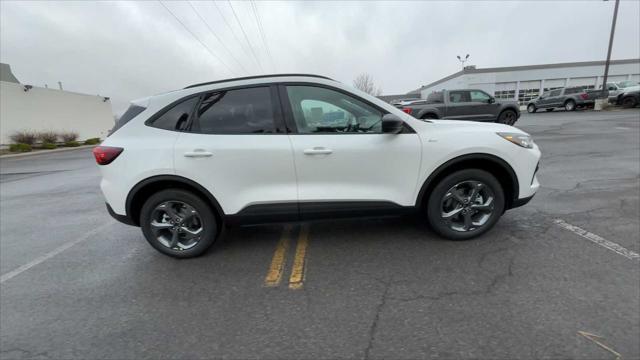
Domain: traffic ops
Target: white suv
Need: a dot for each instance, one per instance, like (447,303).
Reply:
(298,147)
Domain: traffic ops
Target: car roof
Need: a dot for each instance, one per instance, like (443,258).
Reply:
(256,77)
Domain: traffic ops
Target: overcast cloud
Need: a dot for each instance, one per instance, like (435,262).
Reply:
(128,50)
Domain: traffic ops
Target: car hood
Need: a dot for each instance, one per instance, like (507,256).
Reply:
(458,125)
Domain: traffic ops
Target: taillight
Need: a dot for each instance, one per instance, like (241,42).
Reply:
(106,154)
(407,110)
(584,96)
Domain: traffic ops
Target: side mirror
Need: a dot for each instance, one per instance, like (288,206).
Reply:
(391,124)
(491,100)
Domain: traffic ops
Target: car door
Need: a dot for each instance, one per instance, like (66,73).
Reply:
(344,163)
(237,149)
(543,100)
(459,106)
(483,106)
(555,98)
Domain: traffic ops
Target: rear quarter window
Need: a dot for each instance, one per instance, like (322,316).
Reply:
(132,112)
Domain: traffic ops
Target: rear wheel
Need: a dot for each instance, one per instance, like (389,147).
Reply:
(531,108)
(178,223)
(629,102)
(507,117)
(570,105)
(465,204)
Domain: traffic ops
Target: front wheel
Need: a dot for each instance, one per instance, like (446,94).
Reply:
(507,117)
(465,204)
(531,108)
(178,223)
(629,102)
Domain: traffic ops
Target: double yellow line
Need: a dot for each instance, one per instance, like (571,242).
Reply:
(279,260)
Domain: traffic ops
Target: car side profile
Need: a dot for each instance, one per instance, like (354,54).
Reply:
(569,98)
(184,164)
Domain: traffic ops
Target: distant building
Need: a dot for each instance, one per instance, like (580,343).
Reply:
(523,83)
(26,107)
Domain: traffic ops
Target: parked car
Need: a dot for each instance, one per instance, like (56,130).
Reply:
(405,102)
(468,104)
(182,165)
(631,97)
(569,98)
(616,89)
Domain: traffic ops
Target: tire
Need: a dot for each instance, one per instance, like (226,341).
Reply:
(549,109)
(629,102)
(508,117)
(531,109)
(570,105)
(441,200)
(196,231)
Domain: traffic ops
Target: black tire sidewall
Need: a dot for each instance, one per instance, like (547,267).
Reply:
(532,107)
(434,202)
(629,102)
(204,210)
(503,115)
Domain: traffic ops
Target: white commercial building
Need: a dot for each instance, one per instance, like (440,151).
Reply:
(523,83)
(26,107)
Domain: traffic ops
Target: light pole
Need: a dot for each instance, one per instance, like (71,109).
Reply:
(462,61)
(606,64)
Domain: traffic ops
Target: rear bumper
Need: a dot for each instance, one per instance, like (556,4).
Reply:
(121,218)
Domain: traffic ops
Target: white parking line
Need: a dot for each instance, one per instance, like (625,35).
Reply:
(13,273)
(598,240)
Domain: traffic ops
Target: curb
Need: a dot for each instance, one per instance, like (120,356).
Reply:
(44,152)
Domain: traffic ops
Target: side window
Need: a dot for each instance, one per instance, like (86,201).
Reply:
(545,94)
(435,97)
(555,92)
(242,111)
(458,96)
(320,110)
(177,117)
(479,96)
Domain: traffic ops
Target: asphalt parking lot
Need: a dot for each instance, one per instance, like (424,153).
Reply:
(77,284)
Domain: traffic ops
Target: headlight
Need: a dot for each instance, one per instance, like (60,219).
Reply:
(519,139)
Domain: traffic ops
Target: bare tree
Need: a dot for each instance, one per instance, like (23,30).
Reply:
(364,82)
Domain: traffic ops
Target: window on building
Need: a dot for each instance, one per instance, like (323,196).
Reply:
(505,94)
(526,95)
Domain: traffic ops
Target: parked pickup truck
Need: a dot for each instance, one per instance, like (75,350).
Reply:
(569,98)
(468,104)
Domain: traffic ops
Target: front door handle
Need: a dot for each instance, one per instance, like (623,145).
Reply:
(197,153)
(318,151)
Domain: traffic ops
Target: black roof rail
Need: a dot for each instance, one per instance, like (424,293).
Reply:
(255,77)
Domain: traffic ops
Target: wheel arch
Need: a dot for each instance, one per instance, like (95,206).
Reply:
(429,111)
(147,187)
(494,165)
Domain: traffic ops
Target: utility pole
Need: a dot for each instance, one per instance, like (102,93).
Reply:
(462,61)
(606,64)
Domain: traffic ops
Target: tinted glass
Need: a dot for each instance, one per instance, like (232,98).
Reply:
(459,96)
(243,111)
(555,92)
(574,90)
(478,96)
(177,117)
(132,111)
(321,110)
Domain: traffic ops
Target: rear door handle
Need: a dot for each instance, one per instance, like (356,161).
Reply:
(198,153)
(318,151)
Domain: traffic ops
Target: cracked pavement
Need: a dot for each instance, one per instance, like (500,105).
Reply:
(373,288)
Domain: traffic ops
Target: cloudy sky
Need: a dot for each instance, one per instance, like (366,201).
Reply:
(128,50)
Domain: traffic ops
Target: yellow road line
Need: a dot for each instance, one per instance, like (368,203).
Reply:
(297,273)
(279,258)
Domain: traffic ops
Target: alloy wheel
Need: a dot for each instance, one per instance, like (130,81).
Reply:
(176,225)
(467,206)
